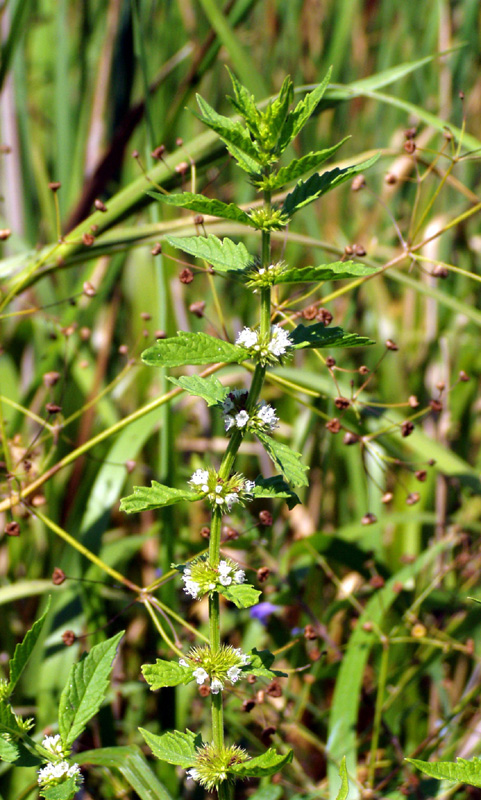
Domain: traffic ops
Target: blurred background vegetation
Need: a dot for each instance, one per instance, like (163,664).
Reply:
(382,558)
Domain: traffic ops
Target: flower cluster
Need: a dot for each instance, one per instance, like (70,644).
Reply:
(54,774)
(222,494)
(263,277)
(54,746)
(201,577)
(224,665)
(212,764)
(266,351)
(262,418)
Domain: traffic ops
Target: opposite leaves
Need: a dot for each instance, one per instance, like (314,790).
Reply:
(205,205)
(174,747)
(320,336)
(288,461)
(157,495)
(24,650)
(267,764)
(243,595)
(223,254)
(165,673)
(210,389)
(461,771)
(87,685)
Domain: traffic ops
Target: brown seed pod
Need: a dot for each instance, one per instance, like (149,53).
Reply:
(12,529)
(334,426)
(407,428)
(197,308)
(58,576)
(369,519)
(265,518)
(324,316)
(342,403)
(186,276)
(262,574)
(69,638)
(100,206)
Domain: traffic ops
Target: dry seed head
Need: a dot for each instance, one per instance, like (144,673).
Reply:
(186,276)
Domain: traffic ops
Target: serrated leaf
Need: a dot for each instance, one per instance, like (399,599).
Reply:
(338,270)
(165,673)
(275,487)
(298,117)
(8,721)
(319,336)
(276,112)
(174,747)
(344,787)
(230,131)
(205,205)
(267,764)
(192,348)
(86,687)
(223,254)
(9,751)
(273,792)
(244,102)
(24,649)
(210,389)
(461,771)
(155,496)
(27,758)
(288,461)
(260,664)
(243,595)
(299,167)
(64,791)
(306,192)
(133,765)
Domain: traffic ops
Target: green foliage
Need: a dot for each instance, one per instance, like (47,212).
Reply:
(288,461)
(205,205)
(260,664)
(297,168)
(223,254)
(86,687)
(165,673)
(174,747)
(64,791)
(210,388)
(300,115)
(275,487)
(262,766)
(155,496)
(24,649)
(461,771)
(192,348)
(338,270)
(243,595)
(318,335)
(344,787)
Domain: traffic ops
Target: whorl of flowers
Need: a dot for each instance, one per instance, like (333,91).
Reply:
(54,746)
(54,774)
(212,764)
(263,277)
(224,665)
(262,418)
(222,494)
(267,351)
(201,577)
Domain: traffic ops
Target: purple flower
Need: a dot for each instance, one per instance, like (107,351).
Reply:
(262,611)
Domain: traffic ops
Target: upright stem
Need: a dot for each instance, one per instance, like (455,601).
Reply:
(224,791)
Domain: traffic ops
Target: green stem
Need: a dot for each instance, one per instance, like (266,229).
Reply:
(378,711)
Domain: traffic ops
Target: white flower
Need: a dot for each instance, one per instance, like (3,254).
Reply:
(191,587)
(200,478)
(233,674)
(267,415)
(216,686)
(228,422)
(192,774)
(53,773)
(200,675)
(53,744)
(280,341)
(247,338)
(239,576)
(225,580)
(230,499)
(224,568)
(241,419)
(249,486)
(183,662)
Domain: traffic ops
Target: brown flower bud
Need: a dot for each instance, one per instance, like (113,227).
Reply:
(413,498)
(157,249)
(265,518)
(342,403)
(377,582)
(410,146)
(100,206)
(54,186)
(248,705)
(310,632)
(391,345)
(182,168)
(251,679)
(421,475)
(330,362)
(309,312)
(198,219)
(262,574)
(53,408)
(407,428)
(359,250)
(350,438)
(158,152)
(369,519)
(88,239)
(51,378)
(204,690)
(391,178)
(38,500)
(186,276)
(84,334)
(266,735)
(413,401)
(58,576)
(333,426)
(5,233)
(130,465)
(160,335)
(274,689)
(463,376)
(68,638)
(123,349)
(439,271)
(12,529)
(358,183)
(363,370)
(197,308)
(436,405)
(88,289)
(324,316)
(387,497)
(348,251)
(205,532)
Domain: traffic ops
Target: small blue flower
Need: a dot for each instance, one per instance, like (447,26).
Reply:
(262,611)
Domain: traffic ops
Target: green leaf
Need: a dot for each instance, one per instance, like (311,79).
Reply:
(275,487)
(306,192)
(288,461)
(244,102)
(86,687)
(64,791)
(299,167)
(192,348)
(338,270)
(319,336)
(461,771)
(273,792)
(205,205)
(8,720)
(9,751)
(260,664)
(155,496)
(230,131)
(223,254)
(210,389)
(267,764)
(24,649)
(165,673)
(26,758)
(243,595)
(132,764)
(298,117)
(174,747)
(276,112)
(344,787)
